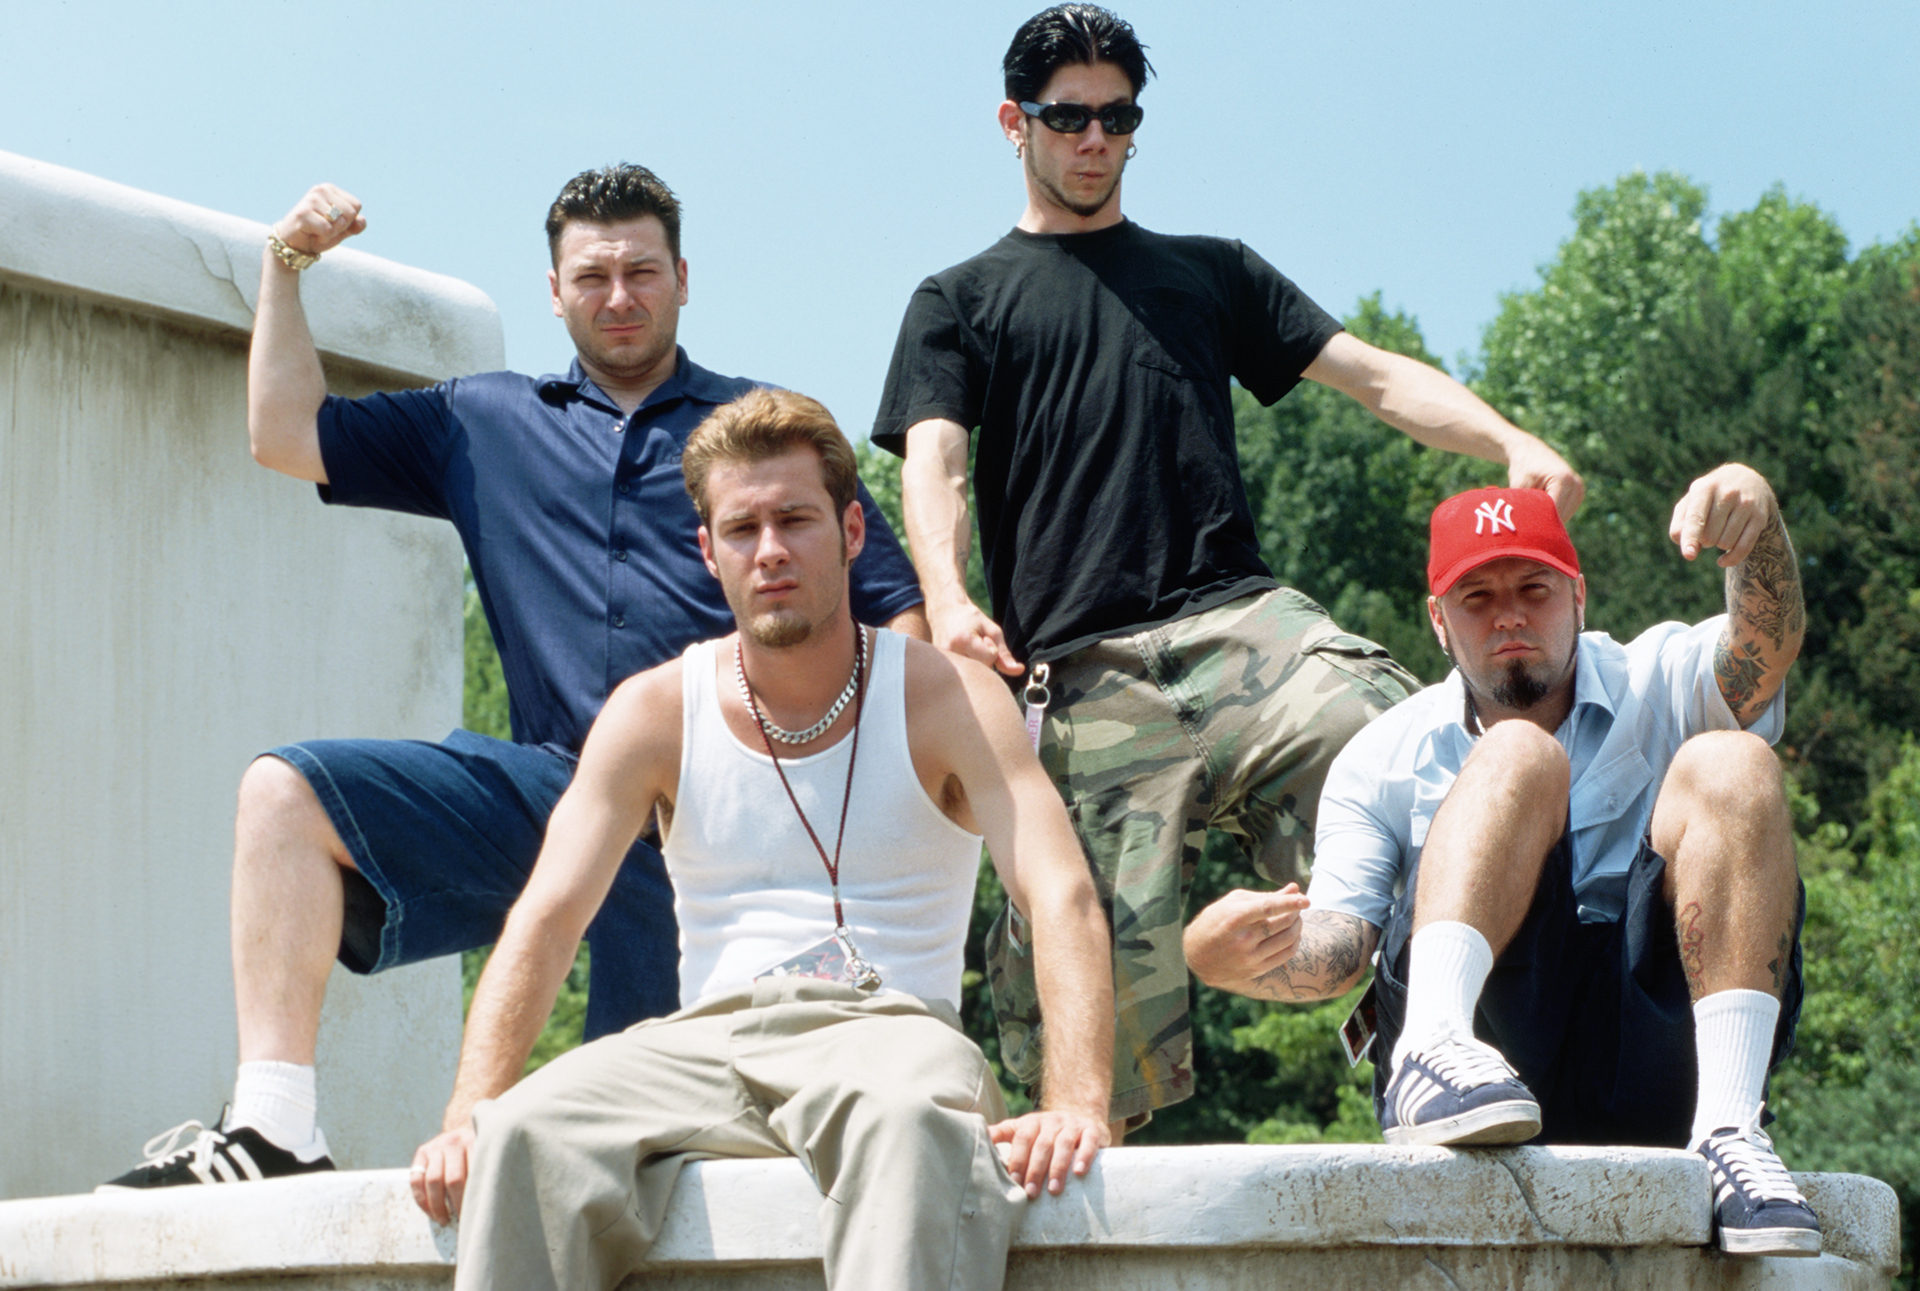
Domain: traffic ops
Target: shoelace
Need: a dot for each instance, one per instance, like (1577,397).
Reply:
(1748,1156)
(1465,1062)
(165,1146)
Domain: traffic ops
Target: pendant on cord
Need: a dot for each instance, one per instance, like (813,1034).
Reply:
(858,971)
(836,958)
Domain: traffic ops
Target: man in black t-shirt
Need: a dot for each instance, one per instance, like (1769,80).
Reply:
(1188,690)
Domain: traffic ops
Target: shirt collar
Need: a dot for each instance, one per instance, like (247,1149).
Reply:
(556,389)
(1588,687)
(689,381)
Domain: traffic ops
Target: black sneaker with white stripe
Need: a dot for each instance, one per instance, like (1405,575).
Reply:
(238,1155)
(1756,1208)
(1456,1090)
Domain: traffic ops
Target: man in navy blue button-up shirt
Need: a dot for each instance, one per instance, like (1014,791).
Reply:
(568,495)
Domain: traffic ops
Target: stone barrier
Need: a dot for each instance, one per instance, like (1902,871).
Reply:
(1201,1219)
(168,609)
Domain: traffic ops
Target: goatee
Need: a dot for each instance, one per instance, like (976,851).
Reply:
(779,629)
(1519,689)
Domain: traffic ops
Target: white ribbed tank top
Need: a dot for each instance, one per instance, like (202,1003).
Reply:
(749,889)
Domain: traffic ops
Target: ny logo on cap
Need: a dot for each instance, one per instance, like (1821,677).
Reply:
(1495,516)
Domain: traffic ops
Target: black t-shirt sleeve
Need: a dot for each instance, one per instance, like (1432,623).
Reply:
(388,450)
(934,372)
(1277,329)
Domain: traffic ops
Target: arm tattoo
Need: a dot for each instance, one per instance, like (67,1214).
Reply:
(1763,591)
(1332,952)
(1739,669)
(1766,616)
(1778,964)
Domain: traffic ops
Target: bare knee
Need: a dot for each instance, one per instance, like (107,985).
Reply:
(1723,811)
(278,809)
(1521,755)
(1501,818)
(1725,773)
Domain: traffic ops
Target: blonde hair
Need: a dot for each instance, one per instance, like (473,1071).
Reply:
(763,424)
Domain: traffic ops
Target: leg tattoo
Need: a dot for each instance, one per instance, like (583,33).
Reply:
(1692,944)
(1778,964)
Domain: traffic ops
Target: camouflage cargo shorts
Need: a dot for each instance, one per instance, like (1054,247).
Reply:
(1225,720)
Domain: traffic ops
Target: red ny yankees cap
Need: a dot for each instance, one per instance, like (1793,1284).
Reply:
(1469,529)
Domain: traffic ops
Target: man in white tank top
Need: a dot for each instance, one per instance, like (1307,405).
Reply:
(823,790)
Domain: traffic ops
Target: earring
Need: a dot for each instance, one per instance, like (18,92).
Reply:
(1019,150)
(1132,148)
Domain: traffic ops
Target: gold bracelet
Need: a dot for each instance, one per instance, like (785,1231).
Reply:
(295,260)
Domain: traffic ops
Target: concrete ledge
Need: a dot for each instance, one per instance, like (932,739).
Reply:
(181,261)
(1200,1217)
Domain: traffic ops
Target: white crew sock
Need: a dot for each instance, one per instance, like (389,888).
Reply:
(1447,964)
(279,1100)
(1732,1038)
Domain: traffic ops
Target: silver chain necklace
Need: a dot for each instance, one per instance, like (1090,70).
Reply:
(858,970)
(819,728)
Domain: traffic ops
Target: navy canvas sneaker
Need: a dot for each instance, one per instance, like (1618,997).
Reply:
(1756,1208)
(1456,1090)
(215,1156)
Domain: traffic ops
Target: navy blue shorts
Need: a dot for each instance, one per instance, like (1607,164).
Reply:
(1595,1017)
(445,836)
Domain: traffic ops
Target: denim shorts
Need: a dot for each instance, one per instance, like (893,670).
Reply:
(445,836)
(1595,1017)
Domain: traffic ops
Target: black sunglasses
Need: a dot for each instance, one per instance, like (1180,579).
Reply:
(1072,118)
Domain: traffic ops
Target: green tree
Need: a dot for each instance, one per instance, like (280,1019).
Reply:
(1848,1098)
(880,472)
(1554,356)
(1261,1070)
(1652,354)
(1870,694)
(1765,345)
(1768,346)
(483,704)
(484,710)
(1341,501)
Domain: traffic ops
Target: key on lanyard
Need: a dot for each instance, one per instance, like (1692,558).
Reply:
(1038,697)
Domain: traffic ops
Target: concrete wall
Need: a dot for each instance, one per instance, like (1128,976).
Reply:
(1228,1218)
(168,609)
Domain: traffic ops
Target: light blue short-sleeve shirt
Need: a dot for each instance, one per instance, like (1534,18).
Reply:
(1633,707)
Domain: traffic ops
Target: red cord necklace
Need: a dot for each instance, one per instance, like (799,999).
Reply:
(859,971)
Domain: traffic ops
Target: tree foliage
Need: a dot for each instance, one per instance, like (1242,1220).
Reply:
(1848,1098)
(1656,345)
(1552,356)
(483,706)
(1341,502)
(1651,355)
(484,710)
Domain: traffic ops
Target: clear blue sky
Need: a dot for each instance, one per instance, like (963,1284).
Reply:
(830,156)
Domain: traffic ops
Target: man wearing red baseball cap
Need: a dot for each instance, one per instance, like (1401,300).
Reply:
(1575,859)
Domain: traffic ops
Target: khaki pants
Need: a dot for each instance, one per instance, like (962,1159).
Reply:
(881,1097)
